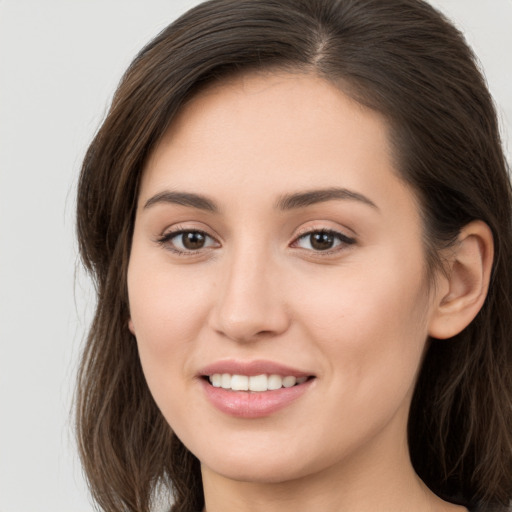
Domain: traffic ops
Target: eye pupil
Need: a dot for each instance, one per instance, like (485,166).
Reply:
(193,240)
(321,241)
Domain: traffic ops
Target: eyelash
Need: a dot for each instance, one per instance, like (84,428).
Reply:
(344,241)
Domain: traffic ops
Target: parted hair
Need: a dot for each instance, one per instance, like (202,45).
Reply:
(401,58)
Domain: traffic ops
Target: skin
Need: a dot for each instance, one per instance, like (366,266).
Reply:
(357,316)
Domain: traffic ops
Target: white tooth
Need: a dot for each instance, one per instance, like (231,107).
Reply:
(289,381)
(258,383)
(301,380)
(274,382)
(225,381)
(216,380)
(239,383)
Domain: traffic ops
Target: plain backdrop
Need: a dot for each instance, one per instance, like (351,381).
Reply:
(60,61)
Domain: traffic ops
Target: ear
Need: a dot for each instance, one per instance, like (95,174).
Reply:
(463,289)
(131,326)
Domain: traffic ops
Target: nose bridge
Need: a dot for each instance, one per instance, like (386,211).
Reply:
(250,303)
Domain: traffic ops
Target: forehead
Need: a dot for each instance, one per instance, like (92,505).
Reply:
(263,134)
(294,105)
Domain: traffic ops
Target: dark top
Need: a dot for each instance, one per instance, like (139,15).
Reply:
(487,508)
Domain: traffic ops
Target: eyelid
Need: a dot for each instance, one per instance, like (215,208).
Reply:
(324,225)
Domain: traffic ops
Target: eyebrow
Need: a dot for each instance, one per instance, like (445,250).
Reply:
(284,203)
(311,197)
(185,199)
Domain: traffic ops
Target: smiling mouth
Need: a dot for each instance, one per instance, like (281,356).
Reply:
(256,389)
(255,383)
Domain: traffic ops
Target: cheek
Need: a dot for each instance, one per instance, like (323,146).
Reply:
(168,313)
(164,306)
(167,318)
(372,322)
(385,297)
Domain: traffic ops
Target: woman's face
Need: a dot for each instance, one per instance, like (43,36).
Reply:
(274,240)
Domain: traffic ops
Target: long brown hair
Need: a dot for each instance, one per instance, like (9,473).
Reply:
(399,57)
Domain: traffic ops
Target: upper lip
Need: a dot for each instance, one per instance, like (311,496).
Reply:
(252,368)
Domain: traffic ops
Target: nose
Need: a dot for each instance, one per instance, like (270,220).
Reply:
(251,302)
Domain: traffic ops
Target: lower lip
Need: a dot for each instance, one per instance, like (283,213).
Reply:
(253,404)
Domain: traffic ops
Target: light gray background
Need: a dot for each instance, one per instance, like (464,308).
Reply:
(60,61)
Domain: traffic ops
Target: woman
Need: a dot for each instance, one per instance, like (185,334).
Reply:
(297,214)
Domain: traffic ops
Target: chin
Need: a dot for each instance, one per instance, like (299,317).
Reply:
(268,461)
(270,472)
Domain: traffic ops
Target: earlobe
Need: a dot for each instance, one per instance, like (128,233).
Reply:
(131,326)
(466,281)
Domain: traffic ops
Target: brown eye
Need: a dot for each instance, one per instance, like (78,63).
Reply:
(193,240)
(321,241)
(187,241)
